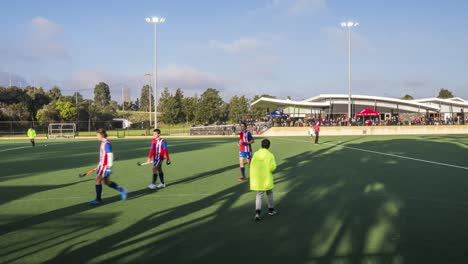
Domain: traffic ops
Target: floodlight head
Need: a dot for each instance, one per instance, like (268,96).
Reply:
(349,24)
(148,20)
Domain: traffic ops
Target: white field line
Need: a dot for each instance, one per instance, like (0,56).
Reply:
(41,145)
(385,154)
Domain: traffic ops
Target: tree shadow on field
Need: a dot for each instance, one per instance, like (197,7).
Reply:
(23,222)
(336,205)
(82,154)
(204,175)
(11,193)
(52,234)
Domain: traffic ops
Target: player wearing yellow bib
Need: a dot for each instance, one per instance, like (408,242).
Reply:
(262,166)
(32,136)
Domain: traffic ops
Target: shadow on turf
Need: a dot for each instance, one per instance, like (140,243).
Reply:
(86,153)
(339,206)
(11,193)
(25,222)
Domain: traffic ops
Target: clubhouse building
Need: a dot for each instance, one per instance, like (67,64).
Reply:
(330,106)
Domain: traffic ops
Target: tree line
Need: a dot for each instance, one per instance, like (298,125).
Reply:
(36,104)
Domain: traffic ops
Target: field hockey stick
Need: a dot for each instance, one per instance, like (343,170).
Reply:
(87,173)
(143,164)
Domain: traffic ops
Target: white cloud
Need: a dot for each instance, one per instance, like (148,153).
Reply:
(189,78)
(241,45)
(46,39)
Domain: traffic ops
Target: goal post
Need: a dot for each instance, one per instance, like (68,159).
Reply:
(61,130)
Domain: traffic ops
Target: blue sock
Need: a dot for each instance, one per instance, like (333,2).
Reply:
(115,186)
(155,177)
(98,192)
(243,172)
(161,177)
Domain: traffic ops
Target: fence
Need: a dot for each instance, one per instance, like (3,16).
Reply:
(19,129)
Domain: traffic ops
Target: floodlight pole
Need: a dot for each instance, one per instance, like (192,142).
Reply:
(349,72)
(348,25)
(155,76)
(149,97)
(155,21)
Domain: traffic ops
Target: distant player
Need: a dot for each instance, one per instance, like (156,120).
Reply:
(317,131)
(158,152)
(104,168)
(32,136)
(245,154)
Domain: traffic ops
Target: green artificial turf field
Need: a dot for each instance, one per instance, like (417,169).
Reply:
(347,200)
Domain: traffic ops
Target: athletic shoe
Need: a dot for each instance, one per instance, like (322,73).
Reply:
(161,185)
(123,194)
(272,212)
(257,217)
(242,179)
(95,202)
(152,186)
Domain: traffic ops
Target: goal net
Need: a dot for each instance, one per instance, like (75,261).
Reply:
(61,130)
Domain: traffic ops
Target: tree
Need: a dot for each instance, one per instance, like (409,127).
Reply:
(55,93)
(209,107)
(66,110)
(48,113)
(238,107)
(37,99)
(102,97)
(77,97)
(445,93)
(189,106)
(407,97)
(144,104)
(168,107)
(179,98)
(136,105)
(260,110)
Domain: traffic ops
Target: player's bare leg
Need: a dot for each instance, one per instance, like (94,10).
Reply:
(242,169)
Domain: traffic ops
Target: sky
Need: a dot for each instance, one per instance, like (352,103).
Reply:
(285,48)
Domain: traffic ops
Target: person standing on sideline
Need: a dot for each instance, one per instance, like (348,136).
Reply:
(32,136)
(245,152)
(317,131)
(261,178)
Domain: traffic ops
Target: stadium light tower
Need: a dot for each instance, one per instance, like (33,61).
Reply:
(155,21)
(348,25)
(149,96)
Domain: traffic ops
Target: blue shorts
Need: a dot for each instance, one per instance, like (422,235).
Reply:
(157,162)
(101,171)
(245,155)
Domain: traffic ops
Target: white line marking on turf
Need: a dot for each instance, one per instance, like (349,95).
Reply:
(42,145)
(385,154)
